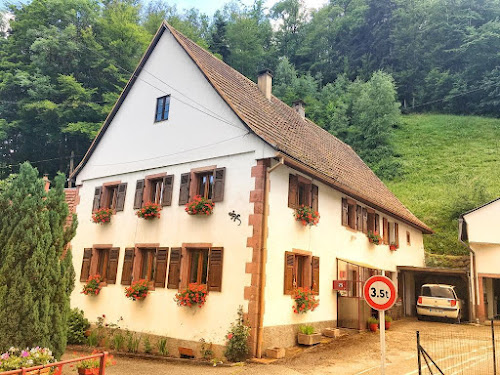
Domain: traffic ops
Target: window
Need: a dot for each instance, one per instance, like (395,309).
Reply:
(162,108)
(350,214)
(408,238)
(156,189)
(301,191)
(145,262)
(110,195)
(198,266)
(301,271)
(146,267)
(102,261)
(391,232)
(205,185)
(209,183)
(373,222)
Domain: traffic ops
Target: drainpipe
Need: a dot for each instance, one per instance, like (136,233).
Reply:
(475,302)
(263,258)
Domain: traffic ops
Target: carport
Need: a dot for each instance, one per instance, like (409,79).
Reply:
(411,279)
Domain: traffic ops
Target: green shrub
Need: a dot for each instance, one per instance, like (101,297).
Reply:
(77,325)
(147,345)
(237,344)
(93,339)
(118,341)
(306,330)
(372,320)
(207,351)
(133,343)
(162,346)
(388,319)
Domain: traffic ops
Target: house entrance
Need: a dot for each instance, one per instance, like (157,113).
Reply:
(491,297)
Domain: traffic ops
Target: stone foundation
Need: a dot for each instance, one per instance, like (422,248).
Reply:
(286,336)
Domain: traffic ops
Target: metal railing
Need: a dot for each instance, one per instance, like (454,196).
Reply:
(35,370)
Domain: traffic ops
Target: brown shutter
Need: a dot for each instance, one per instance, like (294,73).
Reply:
(174,269)
(161,266)
(365,220)
(168,186)
(219,178)
(215,269)
(359,218)
(315,274)
(293,191)
(377,224)
(184,190)
(345,212)
(386,230)
(139,191)
(289,267)
(396,233)
(87,257)
(114,254)
(120,197)
(128,266)
(314,200)
(97,198)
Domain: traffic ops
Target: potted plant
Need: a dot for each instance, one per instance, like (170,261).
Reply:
(374,237)
(305,300)
(306,215)
(393,246)
(193,295)
(388,321)
(93,286)
(15,359)
(92,366)
(308,336)
(373,323)
(149,211)
(102,215)
(200,206)
(138,290)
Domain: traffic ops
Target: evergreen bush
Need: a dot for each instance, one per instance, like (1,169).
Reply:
(77,325)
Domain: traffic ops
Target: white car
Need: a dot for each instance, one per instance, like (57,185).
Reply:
(439,300)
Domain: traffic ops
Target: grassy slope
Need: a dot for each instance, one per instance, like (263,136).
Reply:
(451,164)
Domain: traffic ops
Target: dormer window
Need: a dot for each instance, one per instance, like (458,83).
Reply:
(162,108)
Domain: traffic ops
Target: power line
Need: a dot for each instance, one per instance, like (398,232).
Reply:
(38,161)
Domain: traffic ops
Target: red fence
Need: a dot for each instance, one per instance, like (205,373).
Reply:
(59,366)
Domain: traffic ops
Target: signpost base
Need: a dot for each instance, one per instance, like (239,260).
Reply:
(381,319)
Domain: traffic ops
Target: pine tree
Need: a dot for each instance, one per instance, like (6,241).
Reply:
(35,278)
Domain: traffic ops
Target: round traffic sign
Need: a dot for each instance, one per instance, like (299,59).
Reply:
(379,292)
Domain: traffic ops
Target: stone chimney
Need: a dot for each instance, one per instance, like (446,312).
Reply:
(47,182)
(299,107)
(265,82)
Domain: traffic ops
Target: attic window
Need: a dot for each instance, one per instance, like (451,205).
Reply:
(162,108)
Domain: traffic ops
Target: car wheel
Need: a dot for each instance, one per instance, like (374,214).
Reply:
(420,317)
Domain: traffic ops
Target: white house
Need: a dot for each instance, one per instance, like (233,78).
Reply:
(481,229)
(187,124)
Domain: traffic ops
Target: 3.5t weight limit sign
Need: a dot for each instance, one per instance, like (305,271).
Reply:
(379,292)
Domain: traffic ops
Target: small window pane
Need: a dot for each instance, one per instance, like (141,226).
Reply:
(159,109)
(162,108)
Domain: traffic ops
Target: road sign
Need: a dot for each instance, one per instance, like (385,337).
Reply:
(339,284)
(379,292)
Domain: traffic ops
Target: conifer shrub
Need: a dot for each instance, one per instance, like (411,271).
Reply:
(77,325)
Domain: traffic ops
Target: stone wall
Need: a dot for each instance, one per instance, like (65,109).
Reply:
(447,261)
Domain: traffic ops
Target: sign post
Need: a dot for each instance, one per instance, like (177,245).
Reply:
(380,294)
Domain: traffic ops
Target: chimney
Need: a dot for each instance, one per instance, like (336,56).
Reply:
(47,182)
(265,82)
(299,107)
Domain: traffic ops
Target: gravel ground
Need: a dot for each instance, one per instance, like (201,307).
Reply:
(458,349)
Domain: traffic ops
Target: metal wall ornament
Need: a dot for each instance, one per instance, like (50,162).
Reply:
(235,217)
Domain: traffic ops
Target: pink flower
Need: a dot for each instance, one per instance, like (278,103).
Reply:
(229,336)
(24,353)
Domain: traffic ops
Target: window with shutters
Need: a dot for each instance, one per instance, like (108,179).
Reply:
(162,108)
(373,222)
(198,266)
(302,191)
(387,231)
(145,262)
(154,189)
(351,214)
(100,261)
(110,195)
(208,183)
(301,271)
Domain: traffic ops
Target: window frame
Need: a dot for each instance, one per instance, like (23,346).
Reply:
(203,255)
(102,260)
(149,254)
(303,270)
(208,185)
(164,100)
(408,238)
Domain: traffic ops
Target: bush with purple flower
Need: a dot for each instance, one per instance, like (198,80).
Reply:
(16,358)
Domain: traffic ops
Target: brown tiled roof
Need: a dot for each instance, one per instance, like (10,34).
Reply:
(282,127)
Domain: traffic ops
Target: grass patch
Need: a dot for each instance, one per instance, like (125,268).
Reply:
(450,165)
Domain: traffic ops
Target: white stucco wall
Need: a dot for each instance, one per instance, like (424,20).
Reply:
(329,240)
(483,225)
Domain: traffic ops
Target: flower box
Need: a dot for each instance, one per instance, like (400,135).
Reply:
(200,206)
(275,353)
(311,339)
(93,286)
(393,247)
(305,300)
(193,295)
(88,371)
(102,215)
(306,215)
(185,352)
(138,290)
(149,211)
(374,238)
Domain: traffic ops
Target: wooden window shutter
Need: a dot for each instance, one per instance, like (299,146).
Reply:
(385,225)
(174,269)
(120,197)
(293,191)
(184,190)
(289,267)
(314,199)
(365,220)
(377,224)
(128,266)
(168,186)
(345,212)
(315,274)
(114,255)
(87,257)
(215,269)
(97,198)
(161,267)
(359,218)
(139,191)
(219,180)
(396,233)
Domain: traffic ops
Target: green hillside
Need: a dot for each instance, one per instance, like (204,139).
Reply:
(451,164)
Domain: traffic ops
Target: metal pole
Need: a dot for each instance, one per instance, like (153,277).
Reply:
(494,350)
(381,319)
(418,354)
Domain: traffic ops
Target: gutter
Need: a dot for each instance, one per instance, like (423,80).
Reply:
(462,225)
(263,259)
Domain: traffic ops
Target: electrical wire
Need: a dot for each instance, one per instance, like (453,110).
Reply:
(39,161)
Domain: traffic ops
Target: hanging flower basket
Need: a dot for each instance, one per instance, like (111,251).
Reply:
(200,206)
(305,300)
(138,290)
(92,287)
(149,211)
(306,215)
(393,247)
(194,294)
(102,215)
(374,237)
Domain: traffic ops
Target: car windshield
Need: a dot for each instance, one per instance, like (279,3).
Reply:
(437,291)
